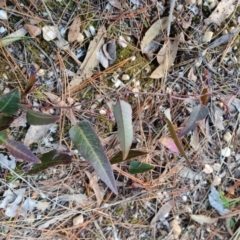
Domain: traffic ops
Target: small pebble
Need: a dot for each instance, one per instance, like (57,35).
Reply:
(118,83)
(207,36)
(133,58)
(3,15)
(207,169)
(226,152)
(217,180)
(49,32)
(122,42)
(227,137)
(92,30)
(103,112)
(78,220)
(125,77)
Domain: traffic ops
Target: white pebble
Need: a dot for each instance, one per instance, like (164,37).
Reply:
(92,30)
(122,42)
(217,180)
(125,77)
(227,137)
(184,198)
(3,15)
(118,83)
(133,58)
(78,220)
(49,32)
(103,112)
(226,152)
(207,36)
(207,169)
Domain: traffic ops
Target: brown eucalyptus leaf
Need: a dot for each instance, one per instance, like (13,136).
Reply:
(153,31)
(169,54)
(74,29)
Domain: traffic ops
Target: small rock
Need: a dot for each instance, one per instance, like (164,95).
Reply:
(227,137)
(78,220)
(103,112)
(217,180)
(226,152)
(207,36)
(92,30)
(118,83)
(3,15)
(49,32)
(122,42)
(125,77)
(207,169)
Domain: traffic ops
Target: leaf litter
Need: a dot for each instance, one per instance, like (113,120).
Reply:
(171,179)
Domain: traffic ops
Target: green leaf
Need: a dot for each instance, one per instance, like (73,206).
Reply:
(18,150)
(3,137)
(89,146)
(123,116)
(9,102)
(37,118)
(5,122)
(177,142)
(139,167)
(50,159)
(132,154)
(197,114)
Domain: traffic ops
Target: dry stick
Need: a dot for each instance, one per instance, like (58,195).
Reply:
(172,4)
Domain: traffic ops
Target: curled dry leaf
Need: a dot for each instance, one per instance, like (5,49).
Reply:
(169,54)
(74,29)
(153,31)
(202,219)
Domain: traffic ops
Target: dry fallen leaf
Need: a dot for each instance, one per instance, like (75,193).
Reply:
(74,29)
(153,31)
(35,133)
(201,219)
(162,213)
(169,143)
(90,62)
(223,10)
(93,182)
(33,30)
(116,4)
(169,57)
(176,228)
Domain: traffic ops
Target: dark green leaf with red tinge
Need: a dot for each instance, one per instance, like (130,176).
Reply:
(37,118)
(132,154)
(50,159)
(88,144)
(5,122)
(177,141)
(20,151)
(9,102)
(197,114)
(139,167)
